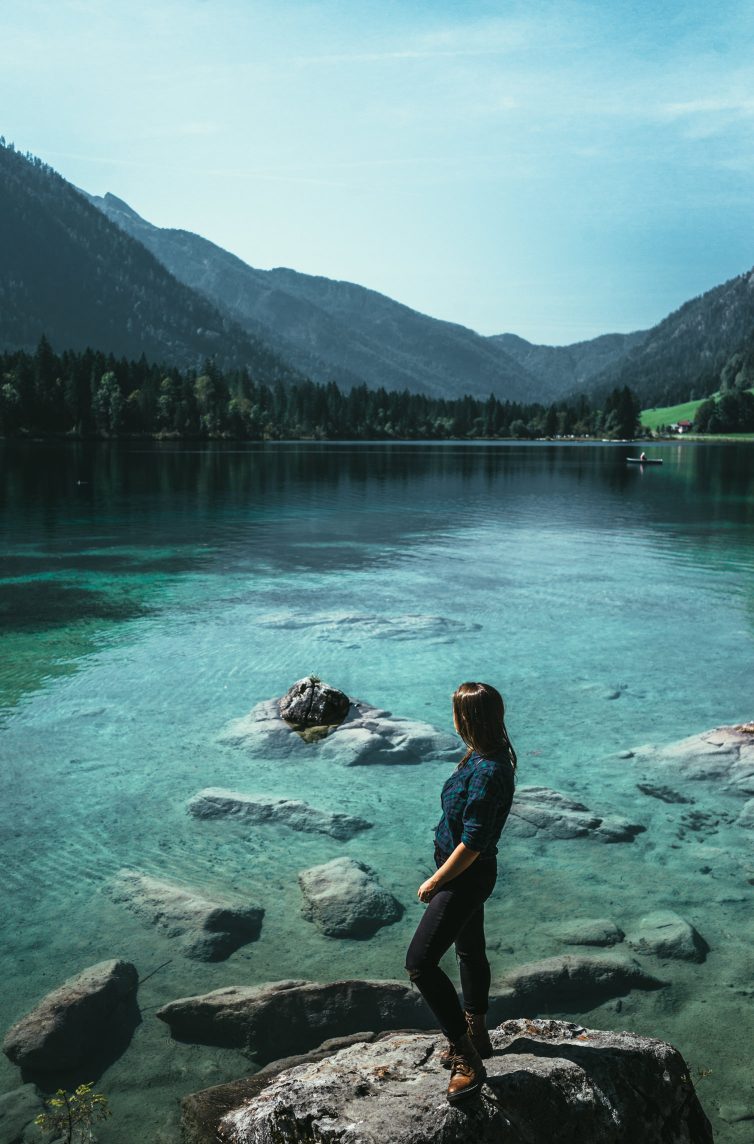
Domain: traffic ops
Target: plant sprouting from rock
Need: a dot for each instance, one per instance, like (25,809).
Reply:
(71,1115)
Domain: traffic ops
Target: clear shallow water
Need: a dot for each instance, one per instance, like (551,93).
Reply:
(172,589)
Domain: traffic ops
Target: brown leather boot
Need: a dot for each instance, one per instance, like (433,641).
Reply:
(467,1072)
(476,1026)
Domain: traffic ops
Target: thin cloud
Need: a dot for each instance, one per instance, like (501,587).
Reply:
(390,56)
(743,108)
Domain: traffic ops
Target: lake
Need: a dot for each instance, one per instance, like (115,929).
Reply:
(153,593)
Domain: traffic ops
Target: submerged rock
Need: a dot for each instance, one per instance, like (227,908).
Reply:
(663,793)
(367,736)
(350,628)
(545,813)
(736,1112)
(285,1017)
(724,754)
(310,702)
(568,984)
(344,899)
(213,802)
(587,931)
(88,1015)
(746,817)
(667,935)
(548,1080)
(207,930)
(18,1108)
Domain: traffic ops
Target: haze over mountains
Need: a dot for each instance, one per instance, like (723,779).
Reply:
(336,330)
(89,271)
(347,333)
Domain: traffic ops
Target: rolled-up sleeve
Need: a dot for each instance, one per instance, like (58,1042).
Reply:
(484,809)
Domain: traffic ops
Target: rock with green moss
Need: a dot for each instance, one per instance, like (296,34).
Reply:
(310,702)
(368,736)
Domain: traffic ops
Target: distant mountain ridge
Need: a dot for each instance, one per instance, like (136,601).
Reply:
(340,331)
(337,330)
(687,352)
(570,368)
(66,271)
(90,271)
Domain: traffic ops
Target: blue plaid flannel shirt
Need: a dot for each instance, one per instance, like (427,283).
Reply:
(476,801)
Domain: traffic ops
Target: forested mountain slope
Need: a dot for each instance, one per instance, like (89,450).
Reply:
(569,369)
(337,330)
(103,277)
(66,271)
(684,356)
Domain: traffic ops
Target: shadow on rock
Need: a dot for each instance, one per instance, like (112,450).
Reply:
(94,1064)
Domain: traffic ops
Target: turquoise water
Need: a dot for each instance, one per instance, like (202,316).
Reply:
(152,594)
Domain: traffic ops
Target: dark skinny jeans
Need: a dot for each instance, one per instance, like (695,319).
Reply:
(455,914)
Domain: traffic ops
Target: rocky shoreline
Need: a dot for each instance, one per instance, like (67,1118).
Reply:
(287,1026)
(547,1080)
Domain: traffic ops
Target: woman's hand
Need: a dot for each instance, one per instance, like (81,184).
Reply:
(428,889)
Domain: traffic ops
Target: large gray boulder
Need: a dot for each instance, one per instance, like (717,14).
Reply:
(548,1081)
(202,1111)
(667,935)
(206,930)
(89,1015)
(344,899)
(367,736)
(568,984)
(310,702)
(539,812)
(214,802)
(284,1017)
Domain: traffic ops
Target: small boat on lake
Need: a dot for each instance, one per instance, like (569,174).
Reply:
(643,460)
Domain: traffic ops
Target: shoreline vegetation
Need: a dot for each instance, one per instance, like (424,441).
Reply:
(571,439)
(91,395)
(728,412)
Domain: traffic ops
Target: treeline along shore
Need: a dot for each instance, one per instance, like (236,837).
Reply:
(90,394)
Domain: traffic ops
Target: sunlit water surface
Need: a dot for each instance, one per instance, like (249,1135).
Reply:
(152,594)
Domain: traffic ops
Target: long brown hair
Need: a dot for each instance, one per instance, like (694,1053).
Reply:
(479,713)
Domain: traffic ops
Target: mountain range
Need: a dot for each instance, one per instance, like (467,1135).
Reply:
(339,331)
(89,270)
(66,271)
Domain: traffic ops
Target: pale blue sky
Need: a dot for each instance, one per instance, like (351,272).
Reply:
(557,170)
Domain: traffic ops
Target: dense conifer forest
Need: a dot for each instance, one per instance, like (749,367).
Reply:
(91,394)
(732,412)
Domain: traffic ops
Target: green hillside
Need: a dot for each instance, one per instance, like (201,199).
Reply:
(668,414)
(732,413)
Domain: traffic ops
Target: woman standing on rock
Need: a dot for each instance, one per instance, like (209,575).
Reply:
(476,801)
